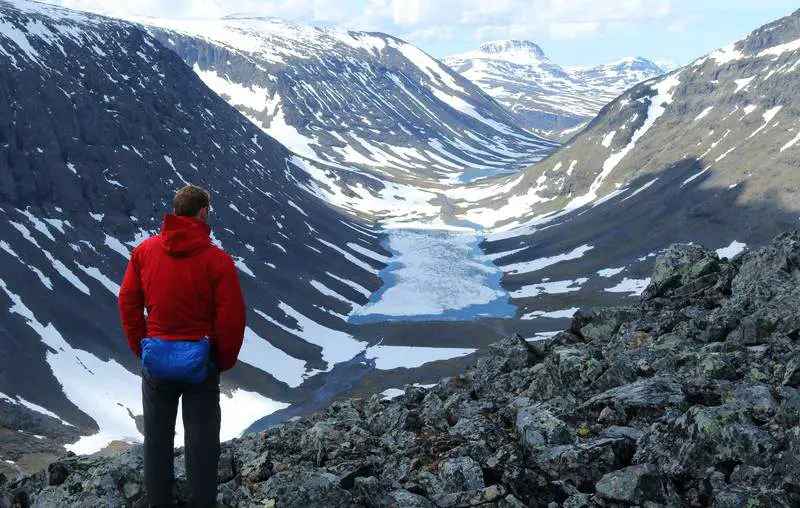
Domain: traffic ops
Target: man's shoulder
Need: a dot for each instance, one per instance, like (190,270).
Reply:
(148,243)
(217,253)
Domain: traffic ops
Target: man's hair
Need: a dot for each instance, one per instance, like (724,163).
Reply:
(190,200)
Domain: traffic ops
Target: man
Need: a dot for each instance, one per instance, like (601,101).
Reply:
(191,292)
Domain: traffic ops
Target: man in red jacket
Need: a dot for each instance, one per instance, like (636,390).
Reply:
(190,291)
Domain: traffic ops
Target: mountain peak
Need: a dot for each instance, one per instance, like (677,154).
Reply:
(512,46)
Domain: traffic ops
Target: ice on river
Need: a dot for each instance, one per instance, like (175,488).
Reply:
(436,274)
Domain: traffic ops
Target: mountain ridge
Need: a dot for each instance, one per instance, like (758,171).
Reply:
(549,99)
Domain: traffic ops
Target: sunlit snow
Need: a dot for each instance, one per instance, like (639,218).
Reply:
(732,250)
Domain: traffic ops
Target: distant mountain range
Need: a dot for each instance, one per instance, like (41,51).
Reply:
(549,99)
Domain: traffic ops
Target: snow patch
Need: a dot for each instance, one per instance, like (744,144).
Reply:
(732,250)
(634,287)
(556,314)
(549,288)
(259,353)
(411,357)
(704,113)
(610,272)
(538,264)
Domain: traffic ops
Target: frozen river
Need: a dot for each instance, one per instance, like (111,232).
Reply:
(436,274)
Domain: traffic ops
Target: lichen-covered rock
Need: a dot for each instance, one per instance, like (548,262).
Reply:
(652,396)
(681,265)
(539,428)
(633,484)
(295,487)
(460,473)
(583,464)
(705,437)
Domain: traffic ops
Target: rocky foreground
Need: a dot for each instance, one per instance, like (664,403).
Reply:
(688,399)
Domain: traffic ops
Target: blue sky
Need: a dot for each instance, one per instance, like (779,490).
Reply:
(571,32)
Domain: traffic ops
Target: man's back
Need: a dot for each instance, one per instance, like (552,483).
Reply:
(189,288)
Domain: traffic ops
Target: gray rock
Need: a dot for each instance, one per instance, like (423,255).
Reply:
(680,265)
(538,428)
(791,376)
(633,484)
(788,412)
(460,474)
(296,487)
(757,399)
(577,501)
(703,438)
(653,395)
(408,499)
(584,463)
(432,411)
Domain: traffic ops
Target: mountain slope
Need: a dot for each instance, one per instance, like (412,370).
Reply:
(549,99)
(99,125)
(707,154)
(381,126)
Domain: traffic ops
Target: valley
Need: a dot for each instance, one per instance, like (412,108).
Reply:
(387,216)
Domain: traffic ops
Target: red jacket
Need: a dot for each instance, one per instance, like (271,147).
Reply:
(189,287)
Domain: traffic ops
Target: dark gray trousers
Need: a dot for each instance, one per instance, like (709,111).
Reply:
(201,421)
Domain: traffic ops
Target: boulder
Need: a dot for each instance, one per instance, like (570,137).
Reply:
(633,484)
(703,438)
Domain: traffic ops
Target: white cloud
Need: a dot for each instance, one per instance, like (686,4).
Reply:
(493,19)
(423,18)
(439,33)
(677,27)
(574,30)
(322,11)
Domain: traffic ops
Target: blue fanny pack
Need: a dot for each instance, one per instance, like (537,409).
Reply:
(173,360)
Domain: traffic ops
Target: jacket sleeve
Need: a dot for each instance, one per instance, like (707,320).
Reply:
(131,307)
(229,317)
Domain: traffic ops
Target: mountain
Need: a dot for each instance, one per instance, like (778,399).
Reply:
(667,65)
(381,126)
(548,99)
(617,77)
(99,125)
(707,154)
(689,398)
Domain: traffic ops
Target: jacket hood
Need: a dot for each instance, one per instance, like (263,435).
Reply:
(184,236)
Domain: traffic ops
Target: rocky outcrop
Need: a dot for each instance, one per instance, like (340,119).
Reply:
(690,398)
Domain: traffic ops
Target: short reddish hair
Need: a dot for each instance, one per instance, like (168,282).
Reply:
(190,200)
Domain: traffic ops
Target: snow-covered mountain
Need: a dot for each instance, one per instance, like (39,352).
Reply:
(707,154)
(549,99)
(616,77)
(381,126)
